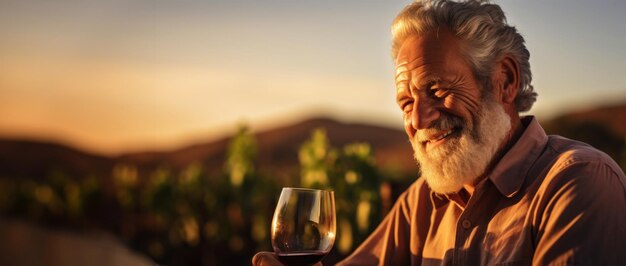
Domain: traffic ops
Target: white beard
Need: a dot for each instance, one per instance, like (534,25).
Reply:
(462,159)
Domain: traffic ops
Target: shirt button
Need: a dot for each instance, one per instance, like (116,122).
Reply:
(466,224)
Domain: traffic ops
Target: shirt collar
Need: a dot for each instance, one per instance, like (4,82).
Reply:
(509,174)
(460,199)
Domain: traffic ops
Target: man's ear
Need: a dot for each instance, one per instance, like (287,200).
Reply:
(505,79)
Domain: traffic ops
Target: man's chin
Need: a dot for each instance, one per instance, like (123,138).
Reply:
(442,166)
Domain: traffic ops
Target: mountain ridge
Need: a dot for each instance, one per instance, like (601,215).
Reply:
(277,151)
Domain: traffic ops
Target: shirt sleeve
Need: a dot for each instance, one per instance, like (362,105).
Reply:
(583,218)
(390,243)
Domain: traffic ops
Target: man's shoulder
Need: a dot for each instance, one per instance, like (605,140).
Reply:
(572,162)
(568,152)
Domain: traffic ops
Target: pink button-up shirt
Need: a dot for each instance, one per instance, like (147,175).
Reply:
(549,200)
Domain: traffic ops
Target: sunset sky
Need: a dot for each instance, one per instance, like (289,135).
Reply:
(113,76)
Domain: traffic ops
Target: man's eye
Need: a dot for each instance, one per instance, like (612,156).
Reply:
(438,92)
(406,105)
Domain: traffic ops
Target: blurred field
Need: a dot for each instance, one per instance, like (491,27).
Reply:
(211,203)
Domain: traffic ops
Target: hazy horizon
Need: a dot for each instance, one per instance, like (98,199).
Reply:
(116,76)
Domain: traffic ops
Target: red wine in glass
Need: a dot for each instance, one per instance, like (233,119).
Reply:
(301,258)
(303,227)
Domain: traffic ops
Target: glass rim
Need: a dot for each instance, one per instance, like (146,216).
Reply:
(308,189)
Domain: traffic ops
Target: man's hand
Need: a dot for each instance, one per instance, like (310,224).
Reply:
(269,259)
(266,259)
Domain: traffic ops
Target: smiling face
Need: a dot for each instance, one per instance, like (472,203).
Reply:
(455,130)
(433,78)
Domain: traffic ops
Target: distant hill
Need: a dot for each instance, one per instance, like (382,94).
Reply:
(35,159)
(613,117)
(603,127)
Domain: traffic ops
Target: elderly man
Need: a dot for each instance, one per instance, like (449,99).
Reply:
(495,189)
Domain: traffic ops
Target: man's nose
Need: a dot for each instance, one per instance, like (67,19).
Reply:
(424,113)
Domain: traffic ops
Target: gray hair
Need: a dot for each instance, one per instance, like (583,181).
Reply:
(481,27)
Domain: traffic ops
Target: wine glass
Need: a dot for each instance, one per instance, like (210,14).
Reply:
(303,228)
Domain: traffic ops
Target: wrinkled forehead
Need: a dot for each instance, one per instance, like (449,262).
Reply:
(435,46)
